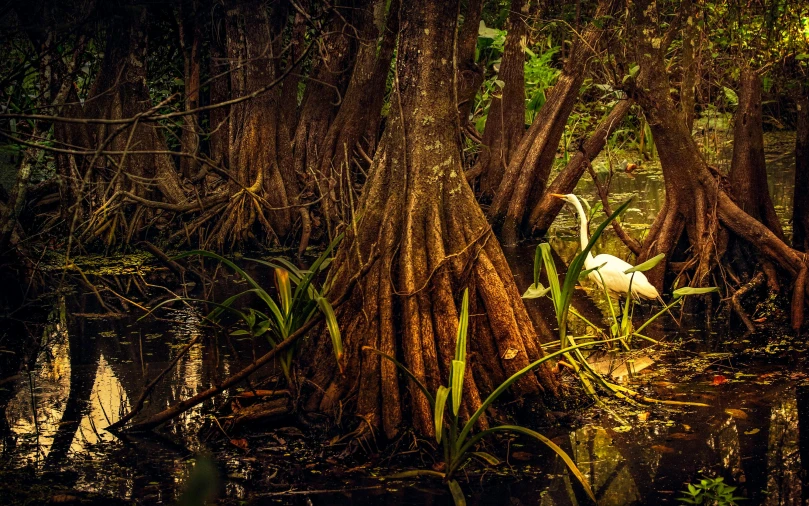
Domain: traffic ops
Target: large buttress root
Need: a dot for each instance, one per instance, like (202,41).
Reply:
(698,201)
(420,240)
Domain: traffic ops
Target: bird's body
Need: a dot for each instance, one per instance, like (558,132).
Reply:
(611,271)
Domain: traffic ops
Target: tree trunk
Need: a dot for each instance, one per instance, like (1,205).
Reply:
(527,172)
(800,201)
(697,202)
(120,91)
(361,104)
(470,74)
(421,239)
(219,91)
(689,65)
(190,42)
(505,123)
(264,186)
(322,98)
(548,207)
(748,169)
(748,175)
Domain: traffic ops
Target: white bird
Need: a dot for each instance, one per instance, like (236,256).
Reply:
(612,269)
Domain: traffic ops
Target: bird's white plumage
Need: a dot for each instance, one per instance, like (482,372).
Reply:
(613,269)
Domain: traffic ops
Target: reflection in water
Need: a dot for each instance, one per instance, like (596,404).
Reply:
(725,442)
(108,403)
(783,454)
(607,470)
(85,377)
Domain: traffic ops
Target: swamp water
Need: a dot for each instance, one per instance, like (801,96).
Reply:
(89,371)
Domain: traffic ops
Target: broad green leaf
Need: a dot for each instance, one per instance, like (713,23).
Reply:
(486,32)
(440,401)
(647,265)
(687,290)
(731,96)
(536,291)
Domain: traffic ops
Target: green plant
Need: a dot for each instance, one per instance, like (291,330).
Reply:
(562,296)
(710,492)
(292,308)
(456,438)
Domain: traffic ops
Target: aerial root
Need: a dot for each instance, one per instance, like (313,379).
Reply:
(736,300)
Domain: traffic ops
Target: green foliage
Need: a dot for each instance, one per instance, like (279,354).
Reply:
(297,299)
(540,74)
(455,437)
(710,492)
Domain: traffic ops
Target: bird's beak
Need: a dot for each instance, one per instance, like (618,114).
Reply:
(557,195)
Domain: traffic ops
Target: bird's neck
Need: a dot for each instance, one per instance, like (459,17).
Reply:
(583,230)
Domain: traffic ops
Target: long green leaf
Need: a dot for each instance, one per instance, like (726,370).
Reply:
(262,294)
(456,384)
(553,446)
(507,383)
(537,265)
(487,457)
(284,288)
(687,290)
(455,490)
(438,412)
(647,265)
(459,363)
(553,276)
(334,329)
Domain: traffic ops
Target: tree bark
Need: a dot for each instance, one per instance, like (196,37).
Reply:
(219,91)
(470,74)
(527,172)
(264,186)
(190,42)
(748,168)
(548,207)
(748,175)
(421,239)
(361,104)
(505,123)
(322,99)
(689,65)
(800,201)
